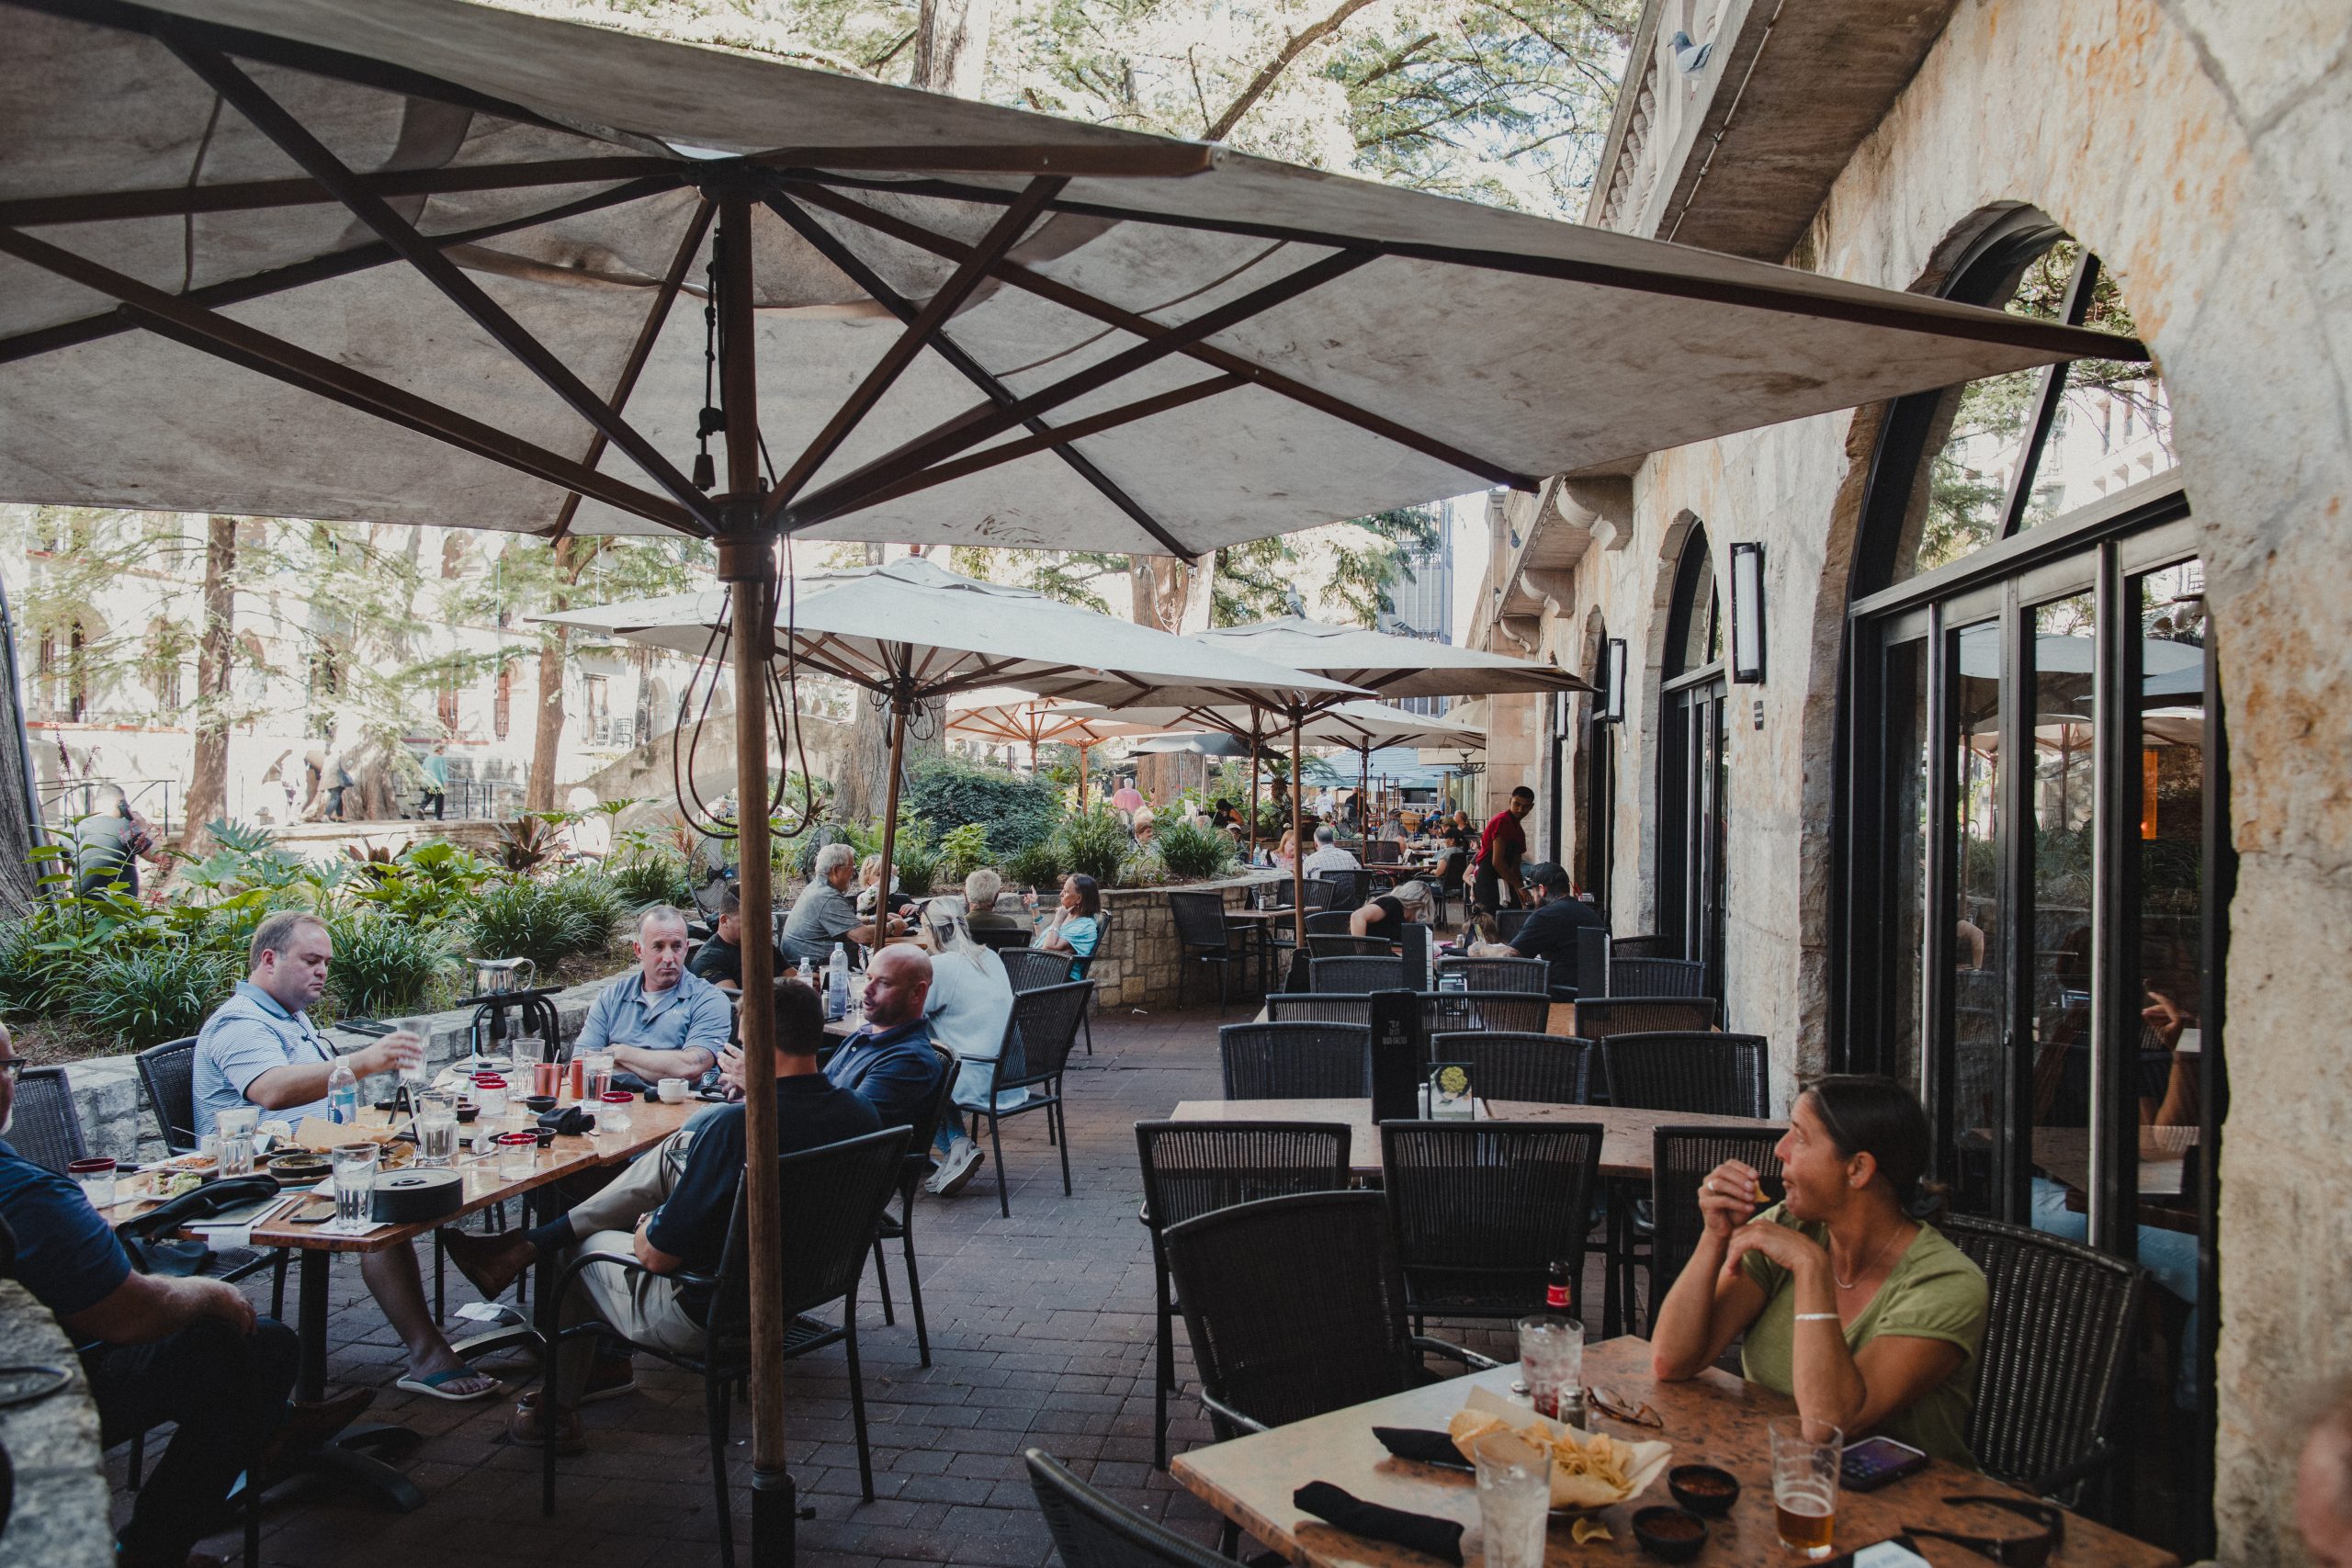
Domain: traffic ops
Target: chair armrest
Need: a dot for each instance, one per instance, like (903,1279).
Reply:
(614,1259)
(2065,1475)
(1453,1352)
(1223,1412)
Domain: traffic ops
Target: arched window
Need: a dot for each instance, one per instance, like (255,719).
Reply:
(1692,771)
(2030,828)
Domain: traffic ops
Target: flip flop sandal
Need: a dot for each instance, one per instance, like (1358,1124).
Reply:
(433,1385)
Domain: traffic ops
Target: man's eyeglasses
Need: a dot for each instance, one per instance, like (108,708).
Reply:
(2010,1551)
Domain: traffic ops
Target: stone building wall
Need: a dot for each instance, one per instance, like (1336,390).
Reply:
(2204,150)
(1139,962)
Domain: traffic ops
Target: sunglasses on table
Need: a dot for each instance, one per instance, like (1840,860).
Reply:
(1617,1407)
(2010,1551)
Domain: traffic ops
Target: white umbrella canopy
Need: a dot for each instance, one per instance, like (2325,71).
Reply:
(1062,335)
(1010,717)
(1387,664)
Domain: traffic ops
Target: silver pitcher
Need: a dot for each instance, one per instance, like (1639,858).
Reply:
(496,977)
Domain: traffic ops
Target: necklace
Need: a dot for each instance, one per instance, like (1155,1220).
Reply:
(1850,1285)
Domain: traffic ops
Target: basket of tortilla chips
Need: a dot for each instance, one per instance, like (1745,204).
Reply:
(1589,1469)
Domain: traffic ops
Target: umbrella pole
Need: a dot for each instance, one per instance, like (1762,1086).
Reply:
(899,706)
(1364,796)
(1081,778)
(1298,843)
(1253,791)
(747,563)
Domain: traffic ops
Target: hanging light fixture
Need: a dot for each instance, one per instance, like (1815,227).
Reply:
(1747,614)
(1611,698)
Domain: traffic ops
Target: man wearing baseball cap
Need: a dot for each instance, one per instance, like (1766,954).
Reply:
(1550,931)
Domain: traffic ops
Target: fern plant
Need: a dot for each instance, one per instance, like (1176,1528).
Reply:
(524,920)
(1194,855)
(386,964)
(146,996)
(1093,844)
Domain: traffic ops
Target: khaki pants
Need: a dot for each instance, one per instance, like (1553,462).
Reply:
(643,1306)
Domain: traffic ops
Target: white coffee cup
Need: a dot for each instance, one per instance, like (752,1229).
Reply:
(673,1091)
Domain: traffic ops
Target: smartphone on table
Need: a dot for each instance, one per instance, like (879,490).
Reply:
(1877,1461)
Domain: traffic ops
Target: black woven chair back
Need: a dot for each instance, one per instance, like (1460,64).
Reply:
(1191,1169)
(1295,1061)
(1361,972)
(1200,919)
(1349,888)
(1091,1530)
(1314,1007)
(1480,1210)
(1681,1158)
(167,1072)
(1592,962)
(1694,1073)
(1646,945)
(1462,1012)
(1329,922)
(1029,969)
(1545,1069)
(926,1123)
(1295,1306)
(45,1128)
(1321,895)
(1654,976)
(1320,946)
(1046,1022)
(1533,974)
(2058,1345)
(1507,921)
(1383,852)
(1644,1015)
(831,1200)
(1450,872)
(1003,939)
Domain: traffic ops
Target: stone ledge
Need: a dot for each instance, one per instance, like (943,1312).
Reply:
(1140,962)
(62,1517)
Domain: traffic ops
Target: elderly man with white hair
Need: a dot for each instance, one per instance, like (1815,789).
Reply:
(660,1022)
(1327,855)
(825,916)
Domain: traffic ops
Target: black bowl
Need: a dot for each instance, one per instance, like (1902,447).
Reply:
(539,1104)
(468,1112)
(1704,1489)
(1672,1534)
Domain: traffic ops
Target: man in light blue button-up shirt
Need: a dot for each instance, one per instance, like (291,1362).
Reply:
(660,1022)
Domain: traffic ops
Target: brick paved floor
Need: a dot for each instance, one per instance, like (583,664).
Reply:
(1040,1335)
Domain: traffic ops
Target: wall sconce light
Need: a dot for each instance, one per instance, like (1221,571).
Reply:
(1747,614)
(1610,703)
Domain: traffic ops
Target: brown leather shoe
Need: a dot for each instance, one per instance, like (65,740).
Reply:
(307,1425)
(491,1263)
(526,1426)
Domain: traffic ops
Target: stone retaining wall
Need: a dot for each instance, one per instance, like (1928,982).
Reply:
(60,1517)
(116,1119)
(1139,960)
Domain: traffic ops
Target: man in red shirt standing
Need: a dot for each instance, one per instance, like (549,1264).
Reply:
(1501,848)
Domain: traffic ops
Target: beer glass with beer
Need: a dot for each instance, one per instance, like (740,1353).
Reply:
(1805,1455)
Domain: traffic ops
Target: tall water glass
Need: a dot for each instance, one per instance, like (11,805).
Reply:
(1806,1456)
(1551,1363)
(237,1128)
(1514,1499)
(437,1127)
(600,1076)
(355,1186)
(534,1064)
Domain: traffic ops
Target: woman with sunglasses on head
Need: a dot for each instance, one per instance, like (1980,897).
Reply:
(1868,1317)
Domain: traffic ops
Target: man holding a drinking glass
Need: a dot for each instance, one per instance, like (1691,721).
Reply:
(260,1048)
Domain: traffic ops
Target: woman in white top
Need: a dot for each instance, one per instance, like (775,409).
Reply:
(970,1003)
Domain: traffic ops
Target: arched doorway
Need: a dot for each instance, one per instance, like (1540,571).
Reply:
(1597,769)
(2032,828)
(1692,772)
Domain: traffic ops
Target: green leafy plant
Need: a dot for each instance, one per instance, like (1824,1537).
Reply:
(1013,810)
(526,920)
(597,901)
(963,851)
(918,867)
(1093,844)
(527,842)
(1034,865)
(387,964)
(431,882)
(643,877)
(146,996)
(1194,855)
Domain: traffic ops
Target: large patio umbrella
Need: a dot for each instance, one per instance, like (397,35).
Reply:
(914,632)
(417,260)
(1015,718)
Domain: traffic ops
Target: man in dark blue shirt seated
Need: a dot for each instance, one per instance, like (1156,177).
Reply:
(671,1214)
(1550,931)
(164,1349)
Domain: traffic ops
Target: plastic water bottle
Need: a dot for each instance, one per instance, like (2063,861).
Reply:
(837,983)
(342,1093)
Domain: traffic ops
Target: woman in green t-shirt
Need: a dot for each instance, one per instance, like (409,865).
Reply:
(1870,1318)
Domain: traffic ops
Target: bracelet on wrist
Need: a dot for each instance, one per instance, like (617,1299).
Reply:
(1816,1317)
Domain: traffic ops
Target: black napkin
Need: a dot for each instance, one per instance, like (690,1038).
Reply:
(1441,1539)
(1421,1446)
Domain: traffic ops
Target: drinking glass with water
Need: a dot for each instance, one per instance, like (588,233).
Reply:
(355,1186)
(437,1127)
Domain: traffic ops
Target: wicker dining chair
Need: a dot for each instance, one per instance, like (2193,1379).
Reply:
(1003,939)
(1701,1074)
(1646,945)
(1320,945)
(1681,1158)
(1316,1006)
(1361,972)
(1351,886)
(1329,922)
(1505,1012)
(1507,921)
(1191,1168)
(1481,1210)
(1654,976)
(1532,975)
(1204,935)
(1092,1530)
(900,1227)
(1383,852)
(2058,1346)
(1545,1069)
(45,1128)
(167,1072)
(1295,1061)
(1321,896)
(1039,1036)
(1604,1016)
(1034,968)
(1296,1306)
(830,1199)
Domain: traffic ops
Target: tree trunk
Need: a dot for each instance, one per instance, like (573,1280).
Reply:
(952,46)
(18,827)
(548,731)
(207,785)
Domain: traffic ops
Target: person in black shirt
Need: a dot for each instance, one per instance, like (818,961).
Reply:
(1550,931)
(721,960)
(671,1217)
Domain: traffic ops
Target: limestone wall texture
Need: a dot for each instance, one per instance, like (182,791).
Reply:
(1140,963)
(61,1513)
(2203,148)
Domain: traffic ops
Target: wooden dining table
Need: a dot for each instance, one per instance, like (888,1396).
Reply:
(1714,1419)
